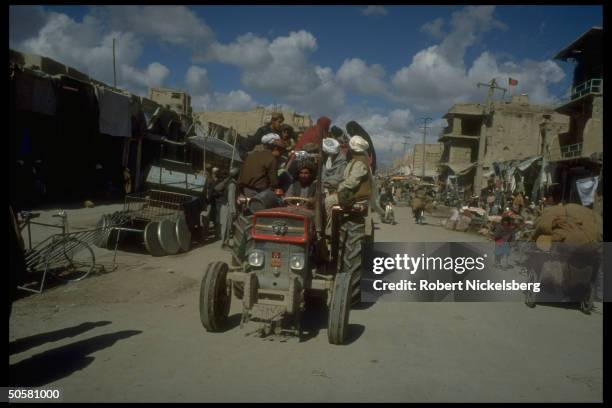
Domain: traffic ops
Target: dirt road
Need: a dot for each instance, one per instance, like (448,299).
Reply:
(134,335)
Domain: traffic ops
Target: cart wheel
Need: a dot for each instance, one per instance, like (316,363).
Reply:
(166,233)
(339,309)
(215,297)
(151,239)
(529,295)
(183,235)
(79,260)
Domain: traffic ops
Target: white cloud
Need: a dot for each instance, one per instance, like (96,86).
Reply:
(281,68)
(153,76)
(234,101)
(87,47)
(466,25)
(172,24)
(196,79)
(437,77)
(357,75)
(374,11)
(248,51)
(388,130)
(533,76)
(434,28)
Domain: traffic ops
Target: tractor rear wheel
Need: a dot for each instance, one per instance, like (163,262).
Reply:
(352,235)
(215,298)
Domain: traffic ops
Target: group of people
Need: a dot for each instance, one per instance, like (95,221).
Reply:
(279,163)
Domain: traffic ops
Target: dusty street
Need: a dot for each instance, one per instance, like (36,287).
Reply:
(134,335)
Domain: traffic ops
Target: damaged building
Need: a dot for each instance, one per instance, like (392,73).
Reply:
(510,131)
(576,155)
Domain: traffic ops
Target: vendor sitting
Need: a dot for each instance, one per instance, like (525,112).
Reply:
(304,186)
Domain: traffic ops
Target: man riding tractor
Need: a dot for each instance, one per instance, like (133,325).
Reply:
(282,258)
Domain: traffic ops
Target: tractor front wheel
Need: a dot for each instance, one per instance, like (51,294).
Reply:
(215,297)
(339,310)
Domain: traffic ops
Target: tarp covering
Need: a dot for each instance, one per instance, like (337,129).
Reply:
(460,169)
(193,182)
(216,146)
(522,166)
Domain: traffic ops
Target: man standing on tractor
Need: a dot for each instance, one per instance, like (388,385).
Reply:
(356,184)
(259,171)
(334,163)
(274,126)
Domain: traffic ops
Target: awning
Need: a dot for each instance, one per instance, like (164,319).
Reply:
(216,146)
(522,166)
(460,169)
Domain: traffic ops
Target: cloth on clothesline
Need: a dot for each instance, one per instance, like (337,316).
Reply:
(114,113)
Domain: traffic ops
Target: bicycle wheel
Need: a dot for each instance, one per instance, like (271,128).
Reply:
(78,260)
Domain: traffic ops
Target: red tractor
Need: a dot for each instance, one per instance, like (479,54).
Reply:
(281,259)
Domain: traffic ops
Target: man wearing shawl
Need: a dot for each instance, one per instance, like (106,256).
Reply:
(334,163)
(314,134)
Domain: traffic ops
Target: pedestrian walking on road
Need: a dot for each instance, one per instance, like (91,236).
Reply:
(503,235)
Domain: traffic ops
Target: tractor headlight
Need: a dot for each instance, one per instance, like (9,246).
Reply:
(256,258)
(297,261)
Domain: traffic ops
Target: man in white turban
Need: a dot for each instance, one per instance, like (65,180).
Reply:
(356,181)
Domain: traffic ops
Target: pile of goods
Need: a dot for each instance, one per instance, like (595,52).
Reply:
(571,223)
(574,265)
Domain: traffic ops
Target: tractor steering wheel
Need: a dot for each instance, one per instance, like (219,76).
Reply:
(297,201)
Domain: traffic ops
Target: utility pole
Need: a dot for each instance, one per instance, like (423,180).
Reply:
(492,87)
(486,111)
(114,69)
(424,127)
(406,138)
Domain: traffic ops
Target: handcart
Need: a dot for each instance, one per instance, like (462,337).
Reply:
(161,218)
(566,273)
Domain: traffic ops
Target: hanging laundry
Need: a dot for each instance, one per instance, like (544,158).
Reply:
(35,94)
(586,189)
(115,117)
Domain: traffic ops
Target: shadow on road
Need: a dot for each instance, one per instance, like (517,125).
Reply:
(27,343)
(52,365)
(232,322)
(354,333)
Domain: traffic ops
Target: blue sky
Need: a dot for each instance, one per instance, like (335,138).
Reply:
(383,66)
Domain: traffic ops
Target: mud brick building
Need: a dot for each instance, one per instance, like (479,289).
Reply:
(247,123)
(511,130)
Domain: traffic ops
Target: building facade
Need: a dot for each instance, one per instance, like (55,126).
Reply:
(176,100)
(247,123)
(511,130)
(433,154)
(578,152)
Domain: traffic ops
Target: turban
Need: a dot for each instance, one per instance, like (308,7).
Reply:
(358,144)
(331,146)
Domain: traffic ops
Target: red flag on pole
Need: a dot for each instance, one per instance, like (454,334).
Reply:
(512,82)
